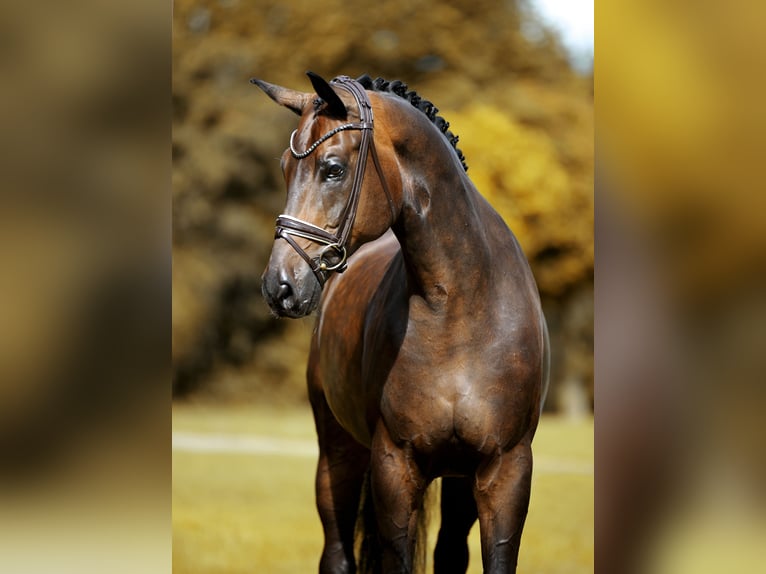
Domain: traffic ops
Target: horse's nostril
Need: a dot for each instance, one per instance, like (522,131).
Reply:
(284,291)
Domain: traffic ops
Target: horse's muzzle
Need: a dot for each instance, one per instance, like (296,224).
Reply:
(288,297)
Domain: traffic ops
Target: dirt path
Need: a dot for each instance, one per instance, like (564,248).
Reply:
(271,445)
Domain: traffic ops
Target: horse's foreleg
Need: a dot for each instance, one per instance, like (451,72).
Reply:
(458,509)
(502,497)
(398,488)
(340,475)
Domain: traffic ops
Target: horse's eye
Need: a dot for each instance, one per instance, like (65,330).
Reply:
(335,171)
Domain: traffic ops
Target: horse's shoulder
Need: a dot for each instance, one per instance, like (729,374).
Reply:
(370,263)
(383,248)
(362,279)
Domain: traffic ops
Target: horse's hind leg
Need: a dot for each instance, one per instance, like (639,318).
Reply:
(340,475)
(502,497)
(458,509)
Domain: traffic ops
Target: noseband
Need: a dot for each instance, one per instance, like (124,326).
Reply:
(333,256)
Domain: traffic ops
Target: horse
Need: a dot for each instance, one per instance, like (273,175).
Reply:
(429,356)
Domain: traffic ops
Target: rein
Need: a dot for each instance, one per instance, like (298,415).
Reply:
(333,256)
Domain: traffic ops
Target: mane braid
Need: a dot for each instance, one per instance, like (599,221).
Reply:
(400,89)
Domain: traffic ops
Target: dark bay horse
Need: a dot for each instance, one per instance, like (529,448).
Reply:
(429,357)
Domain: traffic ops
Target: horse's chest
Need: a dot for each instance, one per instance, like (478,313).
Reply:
(473,388)
(431,388)
(455,400)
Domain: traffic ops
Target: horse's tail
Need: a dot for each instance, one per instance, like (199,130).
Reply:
(367,541)
(369,548)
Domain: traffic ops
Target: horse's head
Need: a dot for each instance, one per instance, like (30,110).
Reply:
(334,204)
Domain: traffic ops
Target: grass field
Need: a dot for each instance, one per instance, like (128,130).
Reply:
(243,495)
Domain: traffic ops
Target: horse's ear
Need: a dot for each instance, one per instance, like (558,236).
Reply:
(291,99)
(335,106)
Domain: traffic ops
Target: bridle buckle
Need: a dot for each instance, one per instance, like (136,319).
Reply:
(340,265)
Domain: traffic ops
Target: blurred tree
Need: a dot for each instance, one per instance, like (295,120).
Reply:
(526,126)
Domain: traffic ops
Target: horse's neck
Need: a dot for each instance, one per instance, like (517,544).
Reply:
(458,252)
(443,233)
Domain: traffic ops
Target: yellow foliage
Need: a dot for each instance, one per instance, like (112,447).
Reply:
(518,170)
(527,137)
(689,155)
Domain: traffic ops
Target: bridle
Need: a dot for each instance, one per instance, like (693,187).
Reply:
(289,226)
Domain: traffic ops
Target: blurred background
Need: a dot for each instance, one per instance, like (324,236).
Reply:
(680,298)
(85,245)
(500,75)
(85,270)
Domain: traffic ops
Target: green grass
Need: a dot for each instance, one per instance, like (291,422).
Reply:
(243,513)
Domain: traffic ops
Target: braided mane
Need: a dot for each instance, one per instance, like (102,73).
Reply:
(400,89)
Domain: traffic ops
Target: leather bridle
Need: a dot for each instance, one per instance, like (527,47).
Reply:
(335,244)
